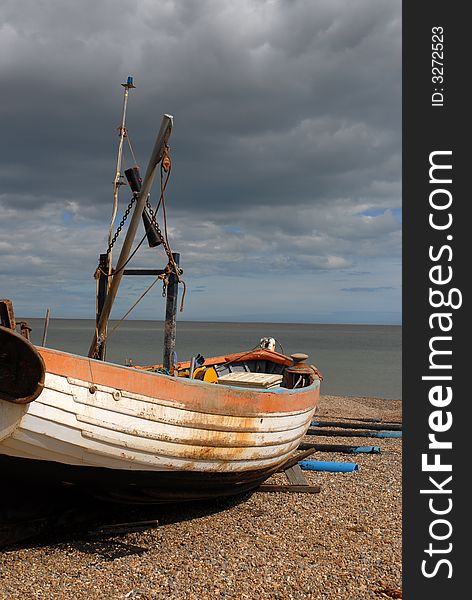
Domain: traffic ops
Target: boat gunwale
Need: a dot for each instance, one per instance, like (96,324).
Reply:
(185,393)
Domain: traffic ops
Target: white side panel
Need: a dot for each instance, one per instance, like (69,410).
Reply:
(69,424)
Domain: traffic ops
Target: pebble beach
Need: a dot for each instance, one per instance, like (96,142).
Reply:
(343,543)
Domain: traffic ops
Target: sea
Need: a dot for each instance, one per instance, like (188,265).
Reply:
(355,360)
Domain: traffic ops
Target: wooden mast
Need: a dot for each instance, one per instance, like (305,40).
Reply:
(156,156)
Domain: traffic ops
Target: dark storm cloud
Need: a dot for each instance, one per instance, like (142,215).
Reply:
(287,131)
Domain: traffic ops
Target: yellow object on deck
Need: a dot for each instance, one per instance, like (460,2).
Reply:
(210,376)
(207,374)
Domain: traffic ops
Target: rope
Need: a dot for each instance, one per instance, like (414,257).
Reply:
(166,165)
(134,305)
(131,149)
(249,352)
(281,347)
(123,133)
(228,362)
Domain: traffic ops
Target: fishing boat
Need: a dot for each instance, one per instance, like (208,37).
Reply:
(204,428)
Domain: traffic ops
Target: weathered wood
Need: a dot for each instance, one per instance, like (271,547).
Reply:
(153,272)
(295,475)
(46,326)
(170,325)
(22,373)
(7,316)
(254,380)
(341,448)
(120,528)
(288,487)
(103,281)
(366,420)
(343,433)
(378,427)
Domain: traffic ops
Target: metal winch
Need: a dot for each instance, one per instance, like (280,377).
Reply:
(299,374)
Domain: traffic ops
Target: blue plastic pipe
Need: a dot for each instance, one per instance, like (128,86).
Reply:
(365,450)
(387,434)
(332,467)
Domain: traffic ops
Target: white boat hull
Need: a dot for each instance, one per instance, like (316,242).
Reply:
(81,430)
(67,424)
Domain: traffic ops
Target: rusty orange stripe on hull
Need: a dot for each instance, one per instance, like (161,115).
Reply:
(194,395)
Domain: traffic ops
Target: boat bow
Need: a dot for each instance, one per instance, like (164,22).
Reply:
(22,368)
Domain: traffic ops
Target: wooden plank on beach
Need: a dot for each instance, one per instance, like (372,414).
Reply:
(341,448)
(392,421)
(295,475)
(288,487)
(121,528)
(374,426)
(350,433)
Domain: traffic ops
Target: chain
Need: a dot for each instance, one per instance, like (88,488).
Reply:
(154,222)
(171,267)
(165,275)
(120,226)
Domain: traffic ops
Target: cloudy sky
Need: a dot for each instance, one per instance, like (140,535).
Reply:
(285,194)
